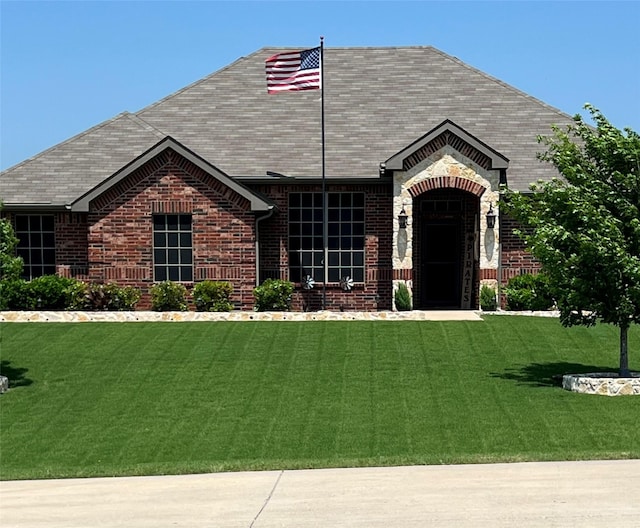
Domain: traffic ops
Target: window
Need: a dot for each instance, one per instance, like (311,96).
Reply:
(37,244)
(345,237)
(172,248)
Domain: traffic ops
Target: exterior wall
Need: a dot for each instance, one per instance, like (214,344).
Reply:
(515,259)
(120,238)
(376,292)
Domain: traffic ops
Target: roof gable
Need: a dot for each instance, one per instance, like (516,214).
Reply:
(448,133)
(257,203)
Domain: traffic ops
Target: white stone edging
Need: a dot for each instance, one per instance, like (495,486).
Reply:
(150,316)
(603,383)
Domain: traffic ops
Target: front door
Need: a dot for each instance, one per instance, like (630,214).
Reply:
(440,272)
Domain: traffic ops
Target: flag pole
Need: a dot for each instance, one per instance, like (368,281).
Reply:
(325,234)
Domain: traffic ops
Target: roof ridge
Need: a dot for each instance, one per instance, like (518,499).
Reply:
(503,84)
(156,131)
(71,139)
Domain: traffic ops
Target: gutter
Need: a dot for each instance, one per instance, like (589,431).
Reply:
(272,209)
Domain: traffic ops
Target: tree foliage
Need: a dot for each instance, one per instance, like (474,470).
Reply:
(584,228)
(10,265)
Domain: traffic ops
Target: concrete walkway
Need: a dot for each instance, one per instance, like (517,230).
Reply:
(523,495)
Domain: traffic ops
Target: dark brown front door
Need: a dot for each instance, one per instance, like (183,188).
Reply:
(441,263)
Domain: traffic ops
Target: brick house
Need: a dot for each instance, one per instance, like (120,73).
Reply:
(222,181)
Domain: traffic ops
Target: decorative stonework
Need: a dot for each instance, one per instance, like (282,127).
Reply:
(446,168)
(127,317)
(603,383)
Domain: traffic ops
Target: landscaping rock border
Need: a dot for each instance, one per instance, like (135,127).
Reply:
(603,383)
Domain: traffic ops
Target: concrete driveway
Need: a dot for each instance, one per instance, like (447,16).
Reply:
(523,495)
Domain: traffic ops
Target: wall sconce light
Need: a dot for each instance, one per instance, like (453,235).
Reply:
(491,217)
(402,219)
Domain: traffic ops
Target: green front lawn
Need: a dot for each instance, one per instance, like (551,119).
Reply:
(94,399)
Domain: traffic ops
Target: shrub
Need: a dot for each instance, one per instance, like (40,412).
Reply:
(168,296)
(14,294)
(110,297)
(51,292)
(528,292)
(213,296)
(273,295)
(488,301)
(403,298)
(10,265)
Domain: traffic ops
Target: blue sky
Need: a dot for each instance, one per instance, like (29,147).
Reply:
(67,66)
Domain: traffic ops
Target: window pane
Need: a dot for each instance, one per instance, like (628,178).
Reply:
(22,223)
(159,222)
(185,240)
(358,243)
(172,222)
(334,243)
(358,200)
(186,274)
(35,240)
(334,275)
(174,274)
(49,256)
(318,258)
(306,259)
(48,270)
(358,259)
(185,256)
(345,259)
(306,243)
(47,223)
(160,273)
(48,240)
(160,256)
(358,215)
(172,240)
(294,229)
(172,256)
(185,222)
(294,200)
(334,200)
(34,223)
(159,240)
(306,200)
(36,256)
(358,274)
(294,215)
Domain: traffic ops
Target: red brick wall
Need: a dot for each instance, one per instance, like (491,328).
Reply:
(121,227)
(516,260)
(375,292)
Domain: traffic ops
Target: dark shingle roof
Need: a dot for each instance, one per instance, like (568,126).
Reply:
(377,101)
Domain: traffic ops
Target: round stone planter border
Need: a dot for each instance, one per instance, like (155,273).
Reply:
(602,383)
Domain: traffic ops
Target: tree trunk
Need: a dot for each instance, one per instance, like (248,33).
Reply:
(624,354)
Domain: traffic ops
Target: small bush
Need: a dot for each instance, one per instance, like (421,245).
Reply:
(168,296)
(403,298)
(213,296)
(14,294)
(273,295)
(110,297)
(528,292)
(51,292)
(488,301)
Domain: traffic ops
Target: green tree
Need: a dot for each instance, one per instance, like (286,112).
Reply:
(10,265)
(584,228)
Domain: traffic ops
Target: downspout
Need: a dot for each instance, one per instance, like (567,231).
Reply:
(258,220)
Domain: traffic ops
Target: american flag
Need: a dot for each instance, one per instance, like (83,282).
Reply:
(293,71)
